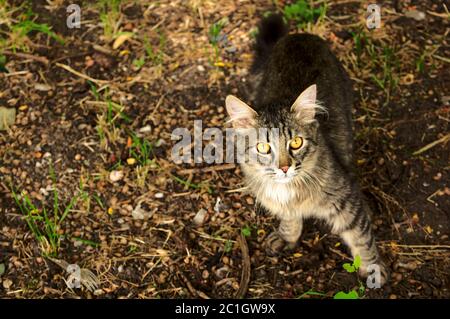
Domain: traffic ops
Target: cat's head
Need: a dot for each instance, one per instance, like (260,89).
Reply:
(287,153)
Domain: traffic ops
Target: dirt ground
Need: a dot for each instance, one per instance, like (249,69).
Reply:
(99,114)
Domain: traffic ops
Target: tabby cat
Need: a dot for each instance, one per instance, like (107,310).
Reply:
(303,91)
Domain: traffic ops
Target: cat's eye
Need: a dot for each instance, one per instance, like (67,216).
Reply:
(296,143)
(263,148)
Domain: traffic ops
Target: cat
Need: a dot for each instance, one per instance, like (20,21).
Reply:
(303,91)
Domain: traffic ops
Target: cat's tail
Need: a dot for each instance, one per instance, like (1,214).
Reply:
(271,29)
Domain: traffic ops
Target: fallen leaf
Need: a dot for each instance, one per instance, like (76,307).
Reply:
(428,229)
(129,142)
(7,117)
(121,39)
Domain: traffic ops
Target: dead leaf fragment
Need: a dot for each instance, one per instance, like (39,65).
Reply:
(7,117)
(121,39)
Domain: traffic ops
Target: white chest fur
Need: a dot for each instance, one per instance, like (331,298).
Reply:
(280,194)
(284,201)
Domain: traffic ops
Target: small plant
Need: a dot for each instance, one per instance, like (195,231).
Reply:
(228,246)
(246,231)
(303,12)
(359,40)
(426,55)
(45,223)
(353,294)
(383,62)
(388,63)
(25,27)
(110,18)
(140,155)
(139,63)
(3,64)
(154,54)
(188,184)
(84,195)
(141,150)
(17,29)
(420,63)
(107,121)
(217,40)
(311,292)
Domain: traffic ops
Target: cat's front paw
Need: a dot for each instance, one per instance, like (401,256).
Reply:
(274,244)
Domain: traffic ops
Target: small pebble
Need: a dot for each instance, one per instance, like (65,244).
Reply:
(7,283)
(115,176)
(250,201)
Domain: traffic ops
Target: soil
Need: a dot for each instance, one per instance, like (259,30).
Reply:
(166,254)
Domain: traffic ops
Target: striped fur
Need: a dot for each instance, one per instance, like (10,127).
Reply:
(320,182)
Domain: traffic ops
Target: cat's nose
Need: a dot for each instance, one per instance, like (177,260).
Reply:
(285,169)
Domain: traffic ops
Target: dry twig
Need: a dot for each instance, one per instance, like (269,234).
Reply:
(246,268)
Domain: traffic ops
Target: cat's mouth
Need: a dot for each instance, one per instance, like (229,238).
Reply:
(280,176)
(283,179)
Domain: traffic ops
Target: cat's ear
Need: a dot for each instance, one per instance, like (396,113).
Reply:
(305,105)
(241,115)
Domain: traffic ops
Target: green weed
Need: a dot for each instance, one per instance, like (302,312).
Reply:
(154,54)
(353,294)
(141,149)
(380,59)
(43,222)
(246,231)
(15,32)
(303,12)
(188,184)
(228,246)
(217,39)
(110,17)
